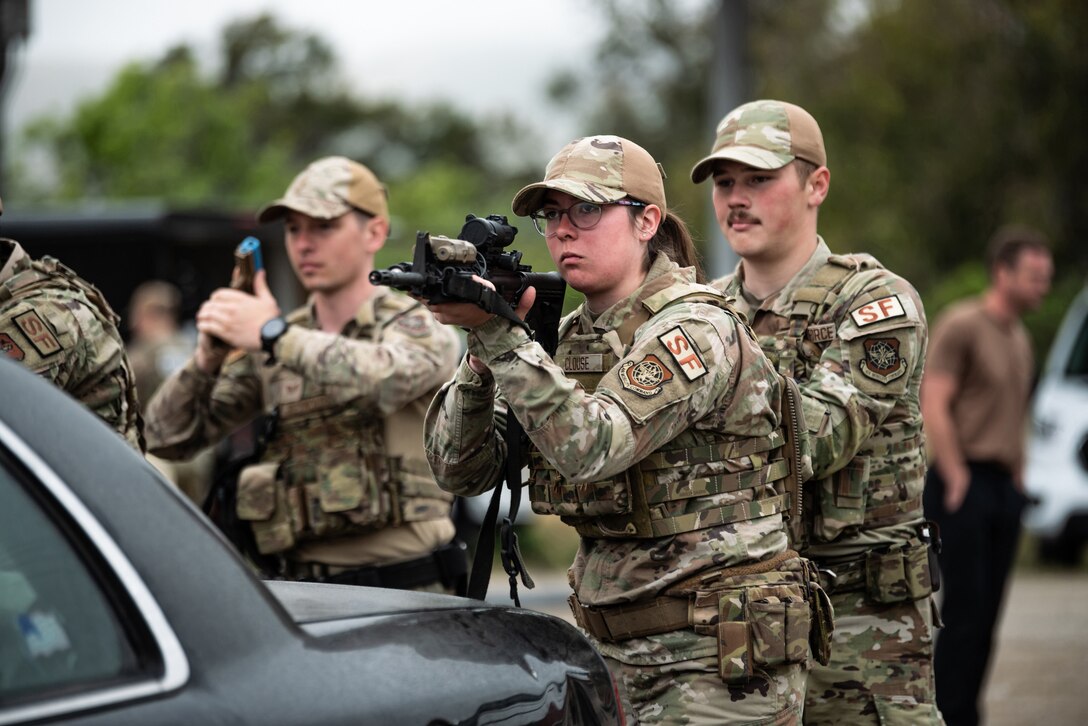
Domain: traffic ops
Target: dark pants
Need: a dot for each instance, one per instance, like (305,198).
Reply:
(980,541)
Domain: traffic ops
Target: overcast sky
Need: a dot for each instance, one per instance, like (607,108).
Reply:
(485,54)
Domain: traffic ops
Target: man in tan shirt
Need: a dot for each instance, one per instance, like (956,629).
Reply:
(975,396)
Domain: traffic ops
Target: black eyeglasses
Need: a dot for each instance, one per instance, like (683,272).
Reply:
(583,215)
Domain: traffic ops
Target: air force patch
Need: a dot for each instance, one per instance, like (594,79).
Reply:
(820,334)
(877,310)
(645,377)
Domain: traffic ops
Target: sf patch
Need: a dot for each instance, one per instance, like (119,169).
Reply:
(10,348)
(885,308)
(882,361)
(645,377)
(677,342)
(38,333)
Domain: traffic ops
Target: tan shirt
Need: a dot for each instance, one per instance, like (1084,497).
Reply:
(992,364)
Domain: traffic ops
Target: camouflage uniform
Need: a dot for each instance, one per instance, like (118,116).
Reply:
(152,362)
(663,405)
(342,480)
(853,335)
(61,327)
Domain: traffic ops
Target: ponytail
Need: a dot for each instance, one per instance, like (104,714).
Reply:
(674,239)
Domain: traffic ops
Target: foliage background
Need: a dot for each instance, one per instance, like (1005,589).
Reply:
(942,122)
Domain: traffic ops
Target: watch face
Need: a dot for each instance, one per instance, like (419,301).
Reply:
(274,327)
(272,330)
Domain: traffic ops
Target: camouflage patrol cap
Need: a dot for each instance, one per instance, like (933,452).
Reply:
(328,188)
(598,169)
(766,135)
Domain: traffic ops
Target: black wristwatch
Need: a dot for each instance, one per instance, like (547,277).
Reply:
(272,331)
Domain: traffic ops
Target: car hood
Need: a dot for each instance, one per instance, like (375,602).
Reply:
(498,664)
(310,602)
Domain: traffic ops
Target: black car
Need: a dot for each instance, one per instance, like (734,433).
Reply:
(121,604)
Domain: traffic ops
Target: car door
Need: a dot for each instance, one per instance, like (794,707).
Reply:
(78,631)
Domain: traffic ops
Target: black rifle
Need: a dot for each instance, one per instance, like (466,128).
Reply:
(442,270)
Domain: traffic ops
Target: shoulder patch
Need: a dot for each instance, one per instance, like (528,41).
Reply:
(414,325)
(10,348)
(683,351)
(882,361)
(38,333)
(873,312)
(646,377)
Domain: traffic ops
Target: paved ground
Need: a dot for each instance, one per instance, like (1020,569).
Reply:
(1040,672)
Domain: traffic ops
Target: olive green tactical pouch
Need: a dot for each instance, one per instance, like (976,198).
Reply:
(823,624)
(262,501)
(552,494)
(356,487)
(842,500)
(762,627)
(897,574)
(892,712)
(420,498)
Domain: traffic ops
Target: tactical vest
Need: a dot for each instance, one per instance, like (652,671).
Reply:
(658,496)
(869,491)
(327,470)
(49,273)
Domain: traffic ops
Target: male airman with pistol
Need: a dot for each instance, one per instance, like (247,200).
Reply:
(342,492)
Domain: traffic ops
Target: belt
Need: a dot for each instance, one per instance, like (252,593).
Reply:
(447,565)
(852,574)
(613,623)
(843,576)
(620,622)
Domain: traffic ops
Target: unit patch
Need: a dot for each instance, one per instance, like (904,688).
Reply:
(10,348)
(882,360)
(38,333)
(877,310)
(584,363)
(413,325)
(645,377)
(677,342)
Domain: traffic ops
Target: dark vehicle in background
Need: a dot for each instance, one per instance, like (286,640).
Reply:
(121,604)
(118,247)
(1057,458)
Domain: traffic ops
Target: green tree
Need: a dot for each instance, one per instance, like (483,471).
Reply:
(942,120)
(648,84)
(232,138)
